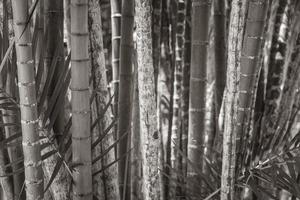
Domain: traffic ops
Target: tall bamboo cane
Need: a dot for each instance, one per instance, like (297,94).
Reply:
(28,104)
(199,39)
(81,137)
(125,88)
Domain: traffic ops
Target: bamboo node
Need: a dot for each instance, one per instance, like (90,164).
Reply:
(81,138)
(116,38)
(81,112)
(197,110)
(25,62)
(79,34)
(32,164)
(249,57)
(80,60)
(115,60)
(247,75)
(29,84)
(194,79)
(200,42)
(27,122)
(29,44)
(79,89)
(30,144)
(243,109)
(115,15)
(245,92)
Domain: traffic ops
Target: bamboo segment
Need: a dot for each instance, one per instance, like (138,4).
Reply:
(81,137)
(116,38)
(250,60)
(199,44)
(28,104)
(185,86)
(177,96)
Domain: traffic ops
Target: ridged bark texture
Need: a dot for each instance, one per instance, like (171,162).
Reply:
(199,45)
(177,96)
(59,189)
(81,137)
(125,92)
(150,137)
(28,104)
(235,38)
(110,176)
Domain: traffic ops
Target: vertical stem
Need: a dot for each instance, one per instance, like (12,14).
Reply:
(28,104)
(125,88)
(235,36)
(198,79)
(150,137)
(81,137)
(115,57)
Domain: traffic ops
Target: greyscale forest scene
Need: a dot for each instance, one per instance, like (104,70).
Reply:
(149,99)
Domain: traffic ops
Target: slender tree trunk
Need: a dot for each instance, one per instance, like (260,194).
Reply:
(220,51)
(230,105)
(54,23)
(150,138)
(81,137)
(110,175)
(198,79)
(125,91)
(28,104)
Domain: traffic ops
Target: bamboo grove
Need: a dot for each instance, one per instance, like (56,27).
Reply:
(149,99)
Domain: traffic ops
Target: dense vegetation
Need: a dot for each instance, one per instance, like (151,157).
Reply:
(149,99)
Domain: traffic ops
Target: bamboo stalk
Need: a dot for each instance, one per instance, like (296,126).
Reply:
(177,96)
(28,104)
(125,89)
(81,137)
(198,79)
